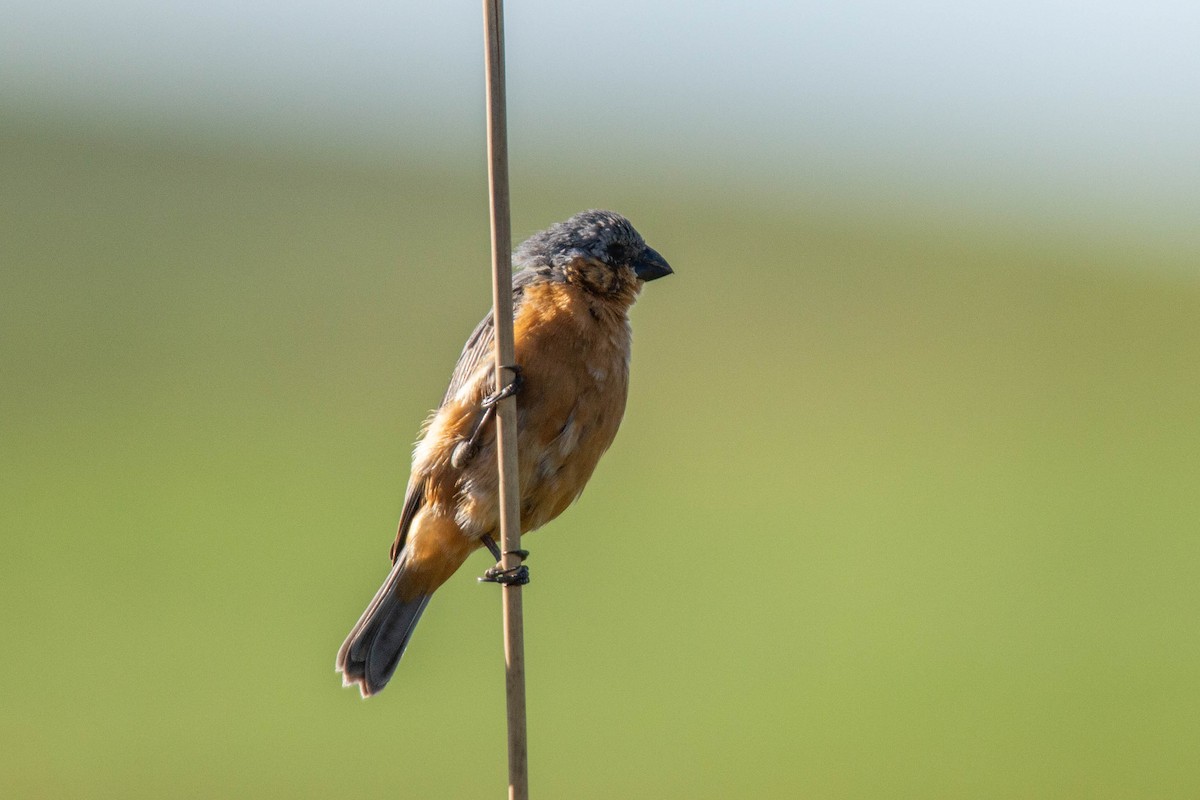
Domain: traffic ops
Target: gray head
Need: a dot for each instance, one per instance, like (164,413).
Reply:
(599,237)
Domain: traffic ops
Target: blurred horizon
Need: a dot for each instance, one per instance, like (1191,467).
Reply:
(1058,213)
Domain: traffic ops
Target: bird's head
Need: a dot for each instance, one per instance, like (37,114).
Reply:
(599,250)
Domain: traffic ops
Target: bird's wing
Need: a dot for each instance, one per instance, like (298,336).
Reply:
(414,498)
(478,351)
(480,346)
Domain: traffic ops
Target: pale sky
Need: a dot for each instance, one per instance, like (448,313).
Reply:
(1103,93)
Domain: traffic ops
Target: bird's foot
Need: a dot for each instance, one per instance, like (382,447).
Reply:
(508,390)
(516,576)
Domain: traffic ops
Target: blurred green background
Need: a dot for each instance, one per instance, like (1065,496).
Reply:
(904,505)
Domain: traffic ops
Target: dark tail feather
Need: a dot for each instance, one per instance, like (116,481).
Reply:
(371,652)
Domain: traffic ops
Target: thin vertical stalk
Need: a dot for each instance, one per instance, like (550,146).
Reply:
(506,412)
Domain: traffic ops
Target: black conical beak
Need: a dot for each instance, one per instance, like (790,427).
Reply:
(651,265)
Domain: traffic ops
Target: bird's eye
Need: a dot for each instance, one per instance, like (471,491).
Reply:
(617,252)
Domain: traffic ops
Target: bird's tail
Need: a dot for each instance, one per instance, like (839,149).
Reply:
(371,652)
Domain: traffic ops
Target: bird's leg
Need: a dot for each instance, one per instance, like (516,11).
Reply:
(517,576)
(491,545)
(466,450)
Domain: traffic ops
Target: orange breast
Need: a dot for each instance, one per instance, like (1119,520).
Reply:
(575,366)
(576,374)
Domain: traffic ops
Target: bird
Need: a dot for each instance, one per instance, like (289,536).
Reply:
(571,294)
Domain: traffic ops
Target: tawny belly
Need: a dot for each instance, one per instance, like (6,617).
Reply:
(566,420)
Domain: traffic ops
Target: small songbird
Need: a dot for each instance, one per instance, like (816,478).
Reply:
(571,330)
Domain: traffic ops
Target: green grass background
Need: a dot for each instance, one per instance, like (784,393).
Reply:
(902,506)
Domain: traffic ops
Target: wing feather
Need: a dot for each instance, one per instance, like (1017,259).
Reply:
(480,346)
(413,500)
